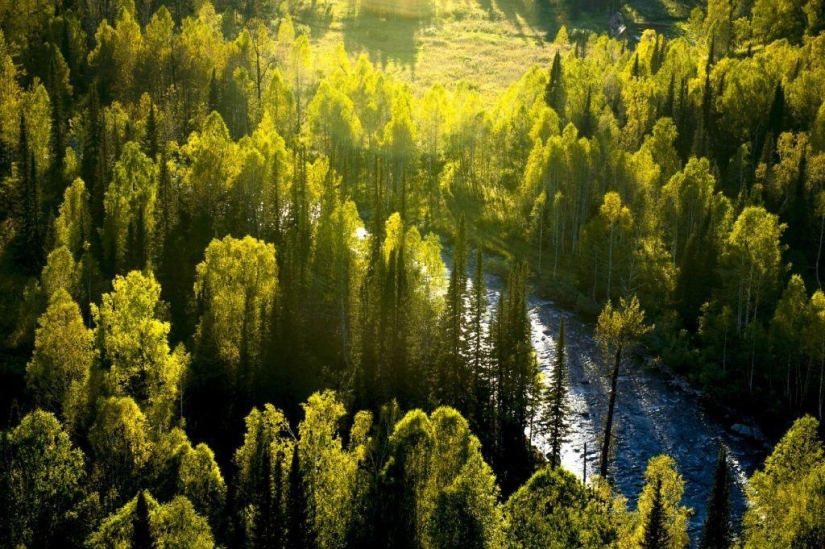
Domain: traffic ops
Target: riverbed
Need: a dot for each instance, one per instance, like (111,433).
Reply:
(656,413)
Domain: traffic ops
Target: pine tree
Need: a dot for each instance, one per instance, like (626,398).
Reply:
(30,243)
(553,93)
(515,372)
(478,353)
(142,536)
(655,534)
(214,93)
(717,532)
(150,138)
(297,537)
(555,402)
(453,378)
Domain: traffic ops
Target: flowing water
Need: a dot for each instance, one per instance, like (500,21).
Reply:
(655,414)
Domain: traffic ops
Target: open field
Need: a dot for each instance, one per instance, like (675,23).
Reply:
(488,42)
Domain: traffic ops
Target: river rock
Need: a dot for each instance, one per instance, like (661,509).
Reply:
(743,430)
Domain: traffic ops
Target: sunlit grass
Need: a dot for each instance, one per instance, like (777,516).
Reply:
(488,42)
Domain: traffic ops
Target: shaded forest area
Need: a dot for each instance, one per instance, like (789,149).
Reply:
(226,317)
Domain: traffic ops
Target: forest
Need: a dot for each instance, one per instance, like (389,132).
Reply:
(243,250)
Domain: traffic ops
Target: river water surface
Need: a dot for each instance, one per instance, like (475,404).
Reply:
(655,414)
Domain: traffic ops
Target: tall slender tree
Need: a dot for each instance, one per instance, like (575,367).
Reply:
(656,535)
(617,330)
(555,422)
(717,532)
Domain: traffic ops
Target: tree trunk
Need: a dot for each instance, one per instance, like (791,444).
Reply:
(608,428)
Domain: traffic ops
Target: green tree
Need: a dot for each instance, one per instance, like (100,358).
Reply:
(439,490)
(554,509)
(261,471)
(717,532)
(555,422)
(61,365)
(173,524)
(134,348)
(121,446)
(453,385)
(617,330)
(42,478)
(661,520)
(328,469)
(236,286)
(786,496)
(130,211)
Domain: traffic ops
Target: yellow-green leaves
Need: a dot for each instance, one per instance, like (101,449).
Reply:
(788,496)
(63,357)
(329,470)
(443,493)
(236,285)
(134,347)
(621,326)
(661,473)
(130,211)
(173,524)
(41,478)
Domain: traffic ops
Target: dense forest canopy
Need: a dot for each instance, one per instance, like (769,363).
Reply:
(243,249)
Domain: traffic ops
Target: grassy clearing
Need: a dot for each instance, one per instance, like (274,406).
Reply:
(489,43)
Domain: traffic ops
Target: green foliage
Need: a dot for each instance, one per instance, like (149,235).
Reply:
(61,365)
(554,509)
(173,524)
(717,532)
(135,350)
(441,492)
(42,486)
(236,287)
(786,496)
(660,520)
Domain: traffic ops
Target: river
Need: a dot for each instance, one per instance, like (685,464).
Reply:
(655,414)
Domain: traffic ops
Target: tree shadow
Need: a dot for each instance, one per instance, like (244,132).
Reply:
(384,39)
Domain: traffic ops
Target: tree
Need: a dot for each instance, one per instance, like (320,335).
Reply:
(121,446)
(554,93)
(143,522)
(786,496)
(62,361)
(617,330)
(134,348)
(439,490)
(717,532)
(554,509)
(661,520)
(515,381)
(73,223)
(42,477)
(260,462)
(656,535)
(454,378)
(752,262)
(201,482)
(555,422)
(130,211)
(235,287)
(328,469)
(142,537)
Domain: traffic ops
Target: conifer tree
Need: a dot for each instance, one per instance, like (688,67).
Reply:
(656,535)
(142,536)
(556,408)
(716,533)
(453,379)
(553,94)
(297,507)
